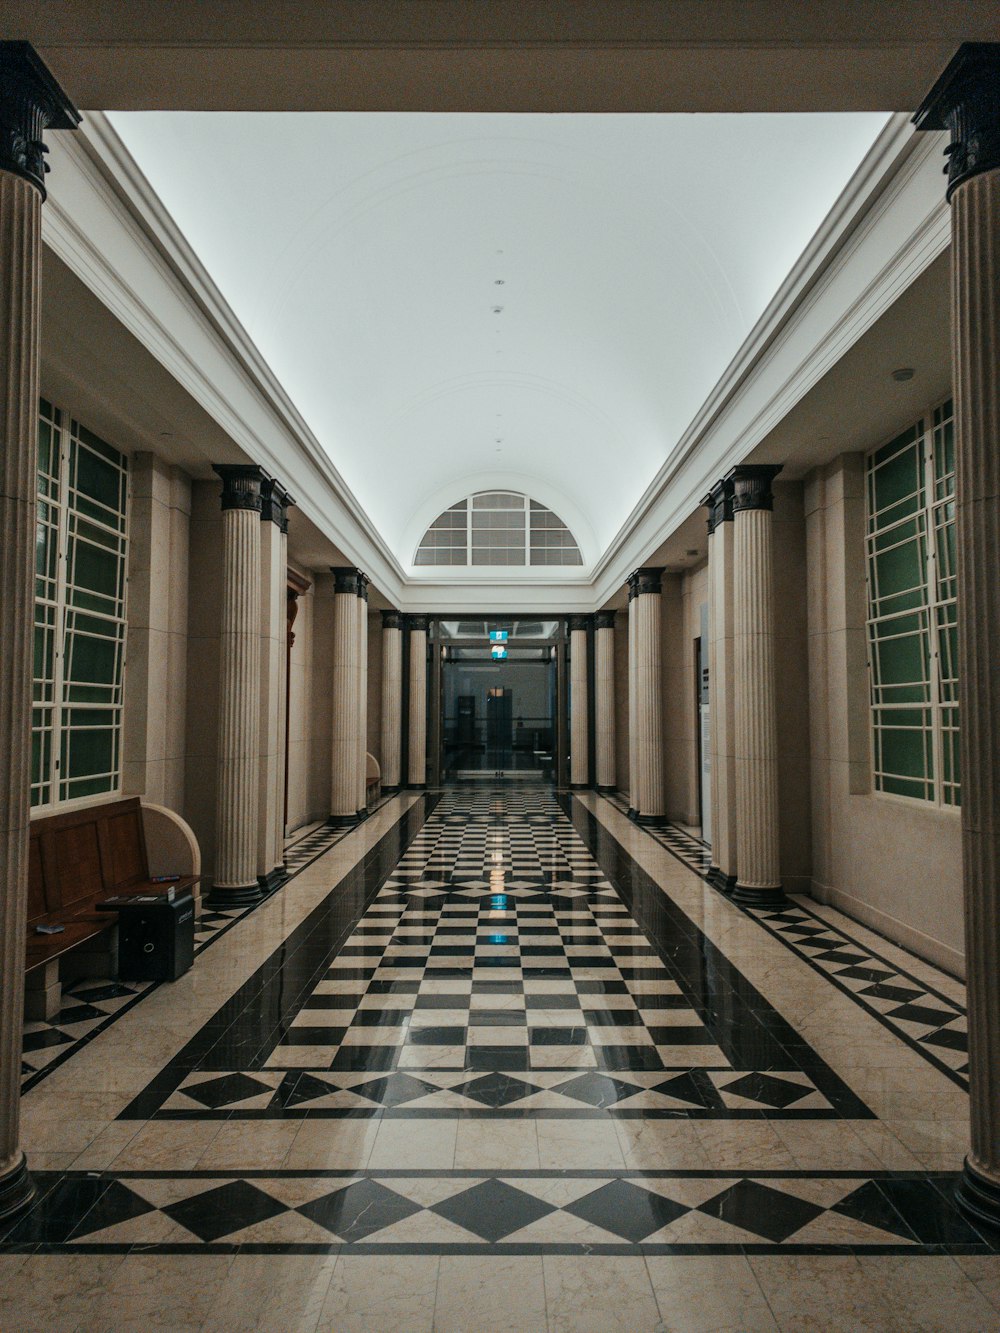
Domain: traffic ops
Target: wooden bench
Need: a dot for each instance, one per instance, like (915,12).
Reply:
(78,859)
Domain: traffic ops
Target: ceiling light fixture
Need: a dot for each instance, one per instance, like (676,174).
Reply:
(903,374)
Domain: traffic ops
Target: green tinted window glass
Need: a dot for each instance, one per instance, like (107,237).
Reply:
(911,623)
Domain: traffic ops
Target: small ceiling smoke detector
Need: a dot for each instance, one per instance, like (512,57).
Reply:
(498,310)
(499,282)
(902,374)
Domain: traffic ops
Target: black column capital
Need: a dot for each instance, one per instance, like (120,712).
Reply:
(965,101)
(416,622)
(31,102)
(719,504)
(578,623)
(242,485)
(348,578)
(392,620)
(604,620)
(275,503)
(752,485)
(644,580)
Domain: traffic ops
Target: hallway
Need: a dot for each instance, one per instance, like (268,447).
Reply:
(501,1059)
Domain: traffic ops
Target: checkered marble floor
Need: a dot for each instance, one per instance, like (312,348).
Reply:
(495,1034)
(498,969)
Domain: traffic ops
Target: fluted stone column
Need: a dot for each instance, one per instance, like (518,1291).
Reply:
(722,722)
(604,700)
(966,101)
(346,686)
(275,502)
(392,699)
(237,796)
(30,102)
(579,702)
(646,798)
(361,761)
(417,759)
(757,845)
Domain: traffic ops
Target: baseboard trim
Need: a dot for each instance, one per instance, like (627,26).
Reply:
(891,928)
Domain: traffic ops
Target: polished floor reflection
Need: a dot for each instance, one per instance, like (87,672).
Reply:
(499,1059)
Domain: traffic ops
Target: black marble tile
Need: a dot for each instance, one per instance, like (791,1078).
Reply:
(215,1213)
(496,1089)
(359,1210)
(493,1210)
(627,1210)
(766,1212)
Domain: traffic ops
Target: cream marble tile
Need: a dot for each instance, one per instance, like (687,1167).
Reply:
(495,1295)
(250,1145)
(390,1292)
(414,1143)
(598,1294)
(494,1144)
(929,1293)
(822,1294)
(56,1291)
(744,1145)
(661,1145)
(710,1294)
(825,1145)
(175,1291)
(167,1144)
(579,1144)
(332,1145)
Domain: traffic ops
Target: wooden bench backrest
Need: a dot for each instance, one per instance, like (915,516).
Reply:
(84,855)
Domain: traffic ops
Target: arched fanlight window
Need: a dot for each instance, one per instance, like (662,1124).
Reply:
(498,528)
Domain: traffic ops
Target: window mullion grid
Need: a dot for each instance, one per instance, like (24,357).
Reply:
(934,644)
(62,579)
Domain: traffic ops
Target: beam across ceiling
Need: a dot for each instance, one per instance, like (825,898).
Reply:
(456,55)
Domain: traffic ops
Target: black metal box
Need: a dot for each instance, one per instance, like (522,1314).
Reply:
(155,938)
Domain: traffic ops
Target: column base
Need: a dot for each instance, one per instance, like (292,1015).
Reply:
(724,883)
(242,895)
(341,821)
(362,815)
(630,813)
(579,786)
(390,791)
(978,1196)
(416,786)
(604,790)
(17,1190)
(759,897)
(646,819)
(273,879)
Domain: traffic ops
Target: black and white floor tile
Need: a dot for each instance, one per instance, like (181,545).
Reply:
(498,970)
(930,1021)
(480,1212)
(498,966)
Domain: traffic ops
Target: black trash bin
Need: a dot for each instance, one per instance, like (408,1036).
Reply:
(155,936)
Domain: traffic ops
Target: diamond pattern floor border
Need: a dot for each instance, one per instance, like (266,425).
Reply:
(494,1213)
(929,1021)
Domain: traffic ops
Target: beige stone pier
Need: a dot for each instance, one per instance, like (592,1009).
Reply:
(966,101)
(238,785)
(392,699)
(417,729)
(579,702)
(346,686)
(31,102)
(275,502)
(756,727)
(722,722)
(604,700)
(646,788)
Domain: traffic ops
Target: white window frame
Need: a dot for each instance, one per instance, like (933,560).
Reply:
(66,431)
(926,429)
